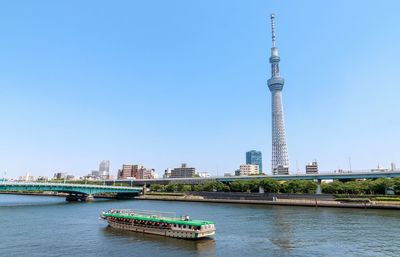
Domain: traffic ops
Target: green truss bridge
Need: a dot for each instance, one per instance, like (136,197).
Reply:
(76,192)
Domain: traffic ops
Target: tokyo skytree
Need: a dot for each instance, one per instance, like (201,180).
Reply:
(280,159)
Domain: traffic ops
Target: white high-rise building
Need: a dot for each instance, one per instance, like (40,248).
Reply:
(104,169)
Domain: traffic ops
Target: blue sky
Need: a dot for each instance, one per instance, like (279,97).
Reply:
(166,82)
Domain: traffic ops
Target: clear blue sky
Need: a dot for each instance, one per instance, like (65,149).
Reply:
(165,82)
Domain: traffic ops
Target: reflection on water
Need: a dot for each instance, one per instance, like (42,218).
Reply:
(9,200)
(281,232)
(202,245)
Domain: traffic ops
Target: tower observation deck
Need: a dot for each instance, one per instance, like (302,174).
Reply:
(280,159)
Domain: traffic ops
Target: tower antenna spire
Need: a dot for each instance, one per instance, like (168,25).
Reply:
(273,29)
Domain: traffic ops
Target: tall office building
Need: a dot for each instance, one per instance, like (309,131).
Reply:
(280,160)
(104,169)
(254,157)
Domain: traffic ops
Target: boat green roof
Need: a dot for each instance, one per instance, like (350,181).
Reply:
(159,219)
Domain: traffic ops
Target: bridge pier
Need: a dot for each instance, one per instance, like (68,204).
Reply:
(319,189)
(79,198)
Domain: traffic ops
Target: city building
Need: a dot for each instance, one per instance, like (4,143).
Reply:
(148,174)
(254,157)
(130,171)
(280,159)
(248,170)
(26,177)
(281,170)
(167,173)
(70,177)
(393,166)
(104,169)
(312,168)
(60,175)
(42,178)
(204,174)
(379,168)
(183,172)
(95,174)
(127,171)
(237,172)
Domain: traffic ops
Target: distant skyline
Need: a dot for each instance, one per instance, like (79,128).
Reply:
(162,83)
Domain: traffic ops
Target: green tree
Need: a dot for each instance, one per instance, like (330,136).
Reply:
(171,187)
(335,187)
(270,185)
(212,186)
(179,187)
(236,186)
(299,187)
(224,188)
(186,188)
(253,185)
(380,185)
(396,185)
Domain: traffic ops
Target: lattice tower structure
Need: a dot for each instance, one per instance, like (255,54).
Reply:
(280,159)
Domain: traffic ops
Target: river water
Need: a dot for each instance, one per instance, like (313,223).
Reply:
(39,226)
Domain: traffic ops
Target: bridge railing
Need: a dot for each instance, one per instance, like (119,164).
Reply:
(14,183)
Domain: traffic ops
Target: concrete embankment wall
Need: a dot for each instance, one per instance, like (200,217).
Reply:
(258,196)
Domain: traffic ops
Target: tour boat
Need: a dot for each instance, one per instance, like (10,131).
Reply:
(152,222)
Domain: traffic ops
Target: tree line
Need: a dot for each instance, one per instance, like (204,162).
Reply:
(363,187)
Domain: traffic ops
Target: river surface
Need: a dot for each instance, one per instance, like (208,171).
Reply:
(39,226)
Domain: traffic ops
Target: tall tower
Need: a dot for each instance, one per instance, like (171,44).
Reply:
(280,160)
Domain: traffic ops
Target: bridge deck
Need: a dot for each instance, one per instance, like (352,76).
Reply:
(68,188)
(320,176)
